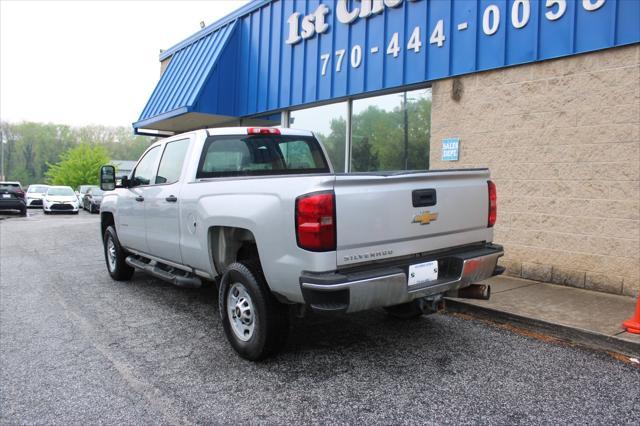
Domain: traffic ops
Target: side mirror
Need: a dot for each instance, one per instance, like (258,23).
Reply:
(107,178)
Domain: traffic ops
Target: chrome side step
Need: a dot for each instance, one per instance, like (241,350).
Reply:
(175,276)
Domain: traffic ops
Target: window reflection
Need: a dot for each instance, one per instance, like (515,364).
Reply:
(391,132)
(329,123)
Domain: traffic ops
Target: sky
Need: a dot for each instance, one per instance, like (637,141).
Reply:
(90,62)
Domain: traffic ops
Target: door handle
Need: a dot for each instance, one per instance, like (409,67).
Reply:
(171,198)
(139,198)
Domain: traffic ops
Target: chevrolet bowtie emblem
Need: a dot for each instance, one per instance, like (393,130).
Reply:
(425,218)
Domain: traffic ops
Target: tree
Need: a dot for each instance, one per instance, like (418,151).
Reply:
(78,166)
(334,143)
(378,138)
(364,158)
(32,147)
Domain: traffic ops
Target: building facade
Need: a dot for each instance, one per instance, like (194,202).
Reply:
(545,93)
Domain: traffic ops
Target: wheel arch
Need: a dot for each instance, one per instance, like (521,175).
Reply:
(228,244)
(106,220)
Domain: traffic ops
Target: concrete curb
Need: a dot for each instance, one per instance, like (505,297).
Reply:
(564,332)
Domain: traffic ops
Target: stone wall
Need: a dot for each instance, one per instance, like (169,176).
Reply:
(562,139)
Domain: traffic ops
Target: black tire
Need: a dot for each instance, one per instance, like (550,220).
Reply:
(119,270)
(46,212)
(270,318)
(91,209)
(405,311)
(23,212)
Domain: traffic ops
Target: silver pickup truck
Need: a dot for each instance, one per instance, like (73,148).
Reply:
(260,212)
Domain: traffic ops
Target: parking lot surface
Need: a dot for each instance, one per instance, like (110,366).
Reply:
(79,348)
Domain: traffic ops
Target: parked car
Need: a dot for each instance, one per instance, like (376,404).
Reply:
(12,198)
(60,199)
(82,190)
(260,211)
(35,194)
(92,199)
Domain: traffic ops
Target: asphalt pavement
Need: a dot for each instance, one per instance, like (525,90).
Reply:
(79,348)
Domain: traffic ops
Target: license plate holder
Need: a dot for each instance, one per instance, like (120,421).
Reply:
(6,195)
(423,273)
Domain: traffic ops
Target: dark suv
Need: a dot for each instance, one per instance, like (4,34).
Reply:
(12,197)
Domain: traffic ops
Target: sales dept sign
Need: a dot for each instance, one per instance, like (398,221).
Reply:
(519,15)
(451,149)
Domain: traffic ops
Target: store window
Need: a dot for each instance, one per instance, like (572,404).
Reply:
(272,119)
(329,123)
(391,132)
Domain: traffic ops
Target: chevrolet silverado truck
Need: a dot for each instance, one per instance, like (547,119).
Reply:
(260,213)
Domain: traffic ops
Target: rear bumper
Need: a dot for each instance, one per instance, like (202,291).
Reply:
(388,285)
(12,204)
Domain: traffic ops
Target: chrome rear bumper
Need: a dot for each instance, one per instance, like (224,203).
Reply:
(361,290)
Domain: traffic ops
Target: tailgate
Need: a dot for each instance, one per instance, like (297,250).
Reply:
(376,218)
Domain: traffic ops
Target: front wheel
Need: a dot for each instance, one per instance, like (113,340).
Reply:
(255,323)
(115,256)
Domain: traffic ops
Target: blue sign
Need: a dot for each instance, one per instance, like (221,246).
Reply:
(451,149)
(282,54)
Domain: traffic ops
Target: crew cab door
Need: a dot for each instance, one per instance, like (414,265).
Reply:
(162,203)
(131,202)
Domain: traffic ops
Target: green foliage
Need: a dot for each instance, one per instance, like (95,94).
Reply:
(32,147)
(334,143)
(78,166)
(364,158)
(378,138)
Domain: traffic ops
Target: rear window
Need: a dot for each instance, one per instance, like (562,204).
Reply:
(9,185)
(255,155)
(40,189)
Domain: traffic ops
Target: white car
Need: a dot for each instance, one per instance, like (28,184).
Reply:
(60,199)
(35,194)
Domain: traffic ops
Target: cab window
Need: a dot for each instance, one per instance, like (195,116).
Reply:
(143,173)
(255,155)
(172,161)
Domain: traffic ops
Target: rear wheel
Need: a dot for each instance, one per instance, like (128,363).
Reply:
(115,256)
(255,323)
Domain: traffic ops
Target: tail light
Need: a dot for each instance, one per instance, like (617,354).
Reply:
(263,131)
(316,221)
(493,204)
(20,193)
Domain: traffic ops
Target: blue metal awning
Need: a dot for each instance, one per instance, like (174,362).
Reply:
(191,88)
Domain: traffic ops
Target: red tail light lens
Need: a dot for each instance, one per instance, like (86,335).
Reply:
(263,131)
(493,204)
(316,221)
(20,193)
